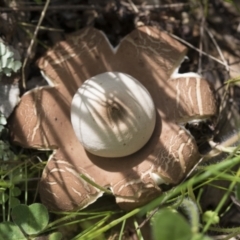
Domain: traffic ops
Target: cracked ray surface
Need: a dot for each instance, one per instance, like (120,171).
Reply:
(42,119)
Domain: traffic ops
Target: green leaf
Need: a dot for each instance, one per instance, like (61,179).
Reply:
(168,224)
(9,63)
(4,62)
(7,71)
(1,128)
(13,202)
(16,191)
(5,152)
(8,54)
(237,191)
(199,236)
(10,231)
(17,65)
(18,175)
(32,219)
(3,49)
(3,120)
(55,236)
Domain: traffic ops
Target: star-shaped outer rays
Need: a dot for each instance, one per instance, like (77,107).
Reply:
(42,119)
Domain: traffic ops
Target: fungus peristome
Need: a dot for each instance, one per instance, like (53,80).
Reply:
(42,119)
(113,115)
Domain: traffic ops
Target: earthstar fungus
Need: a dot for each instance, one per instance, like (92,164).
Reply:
(42,119)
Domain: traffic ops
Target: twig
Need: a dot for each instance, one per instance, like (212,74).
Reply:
(201,40)
(52,8)
(150,215)
(86,7)
(159,6)
(196,49)
(218,49)
(134,8)
(88,180)
(41,27)
(29,50)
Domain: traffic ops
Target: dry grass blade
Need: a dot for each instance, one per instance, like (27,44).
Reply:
(29,50)
(196,49)
(218,48)
(53,8)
